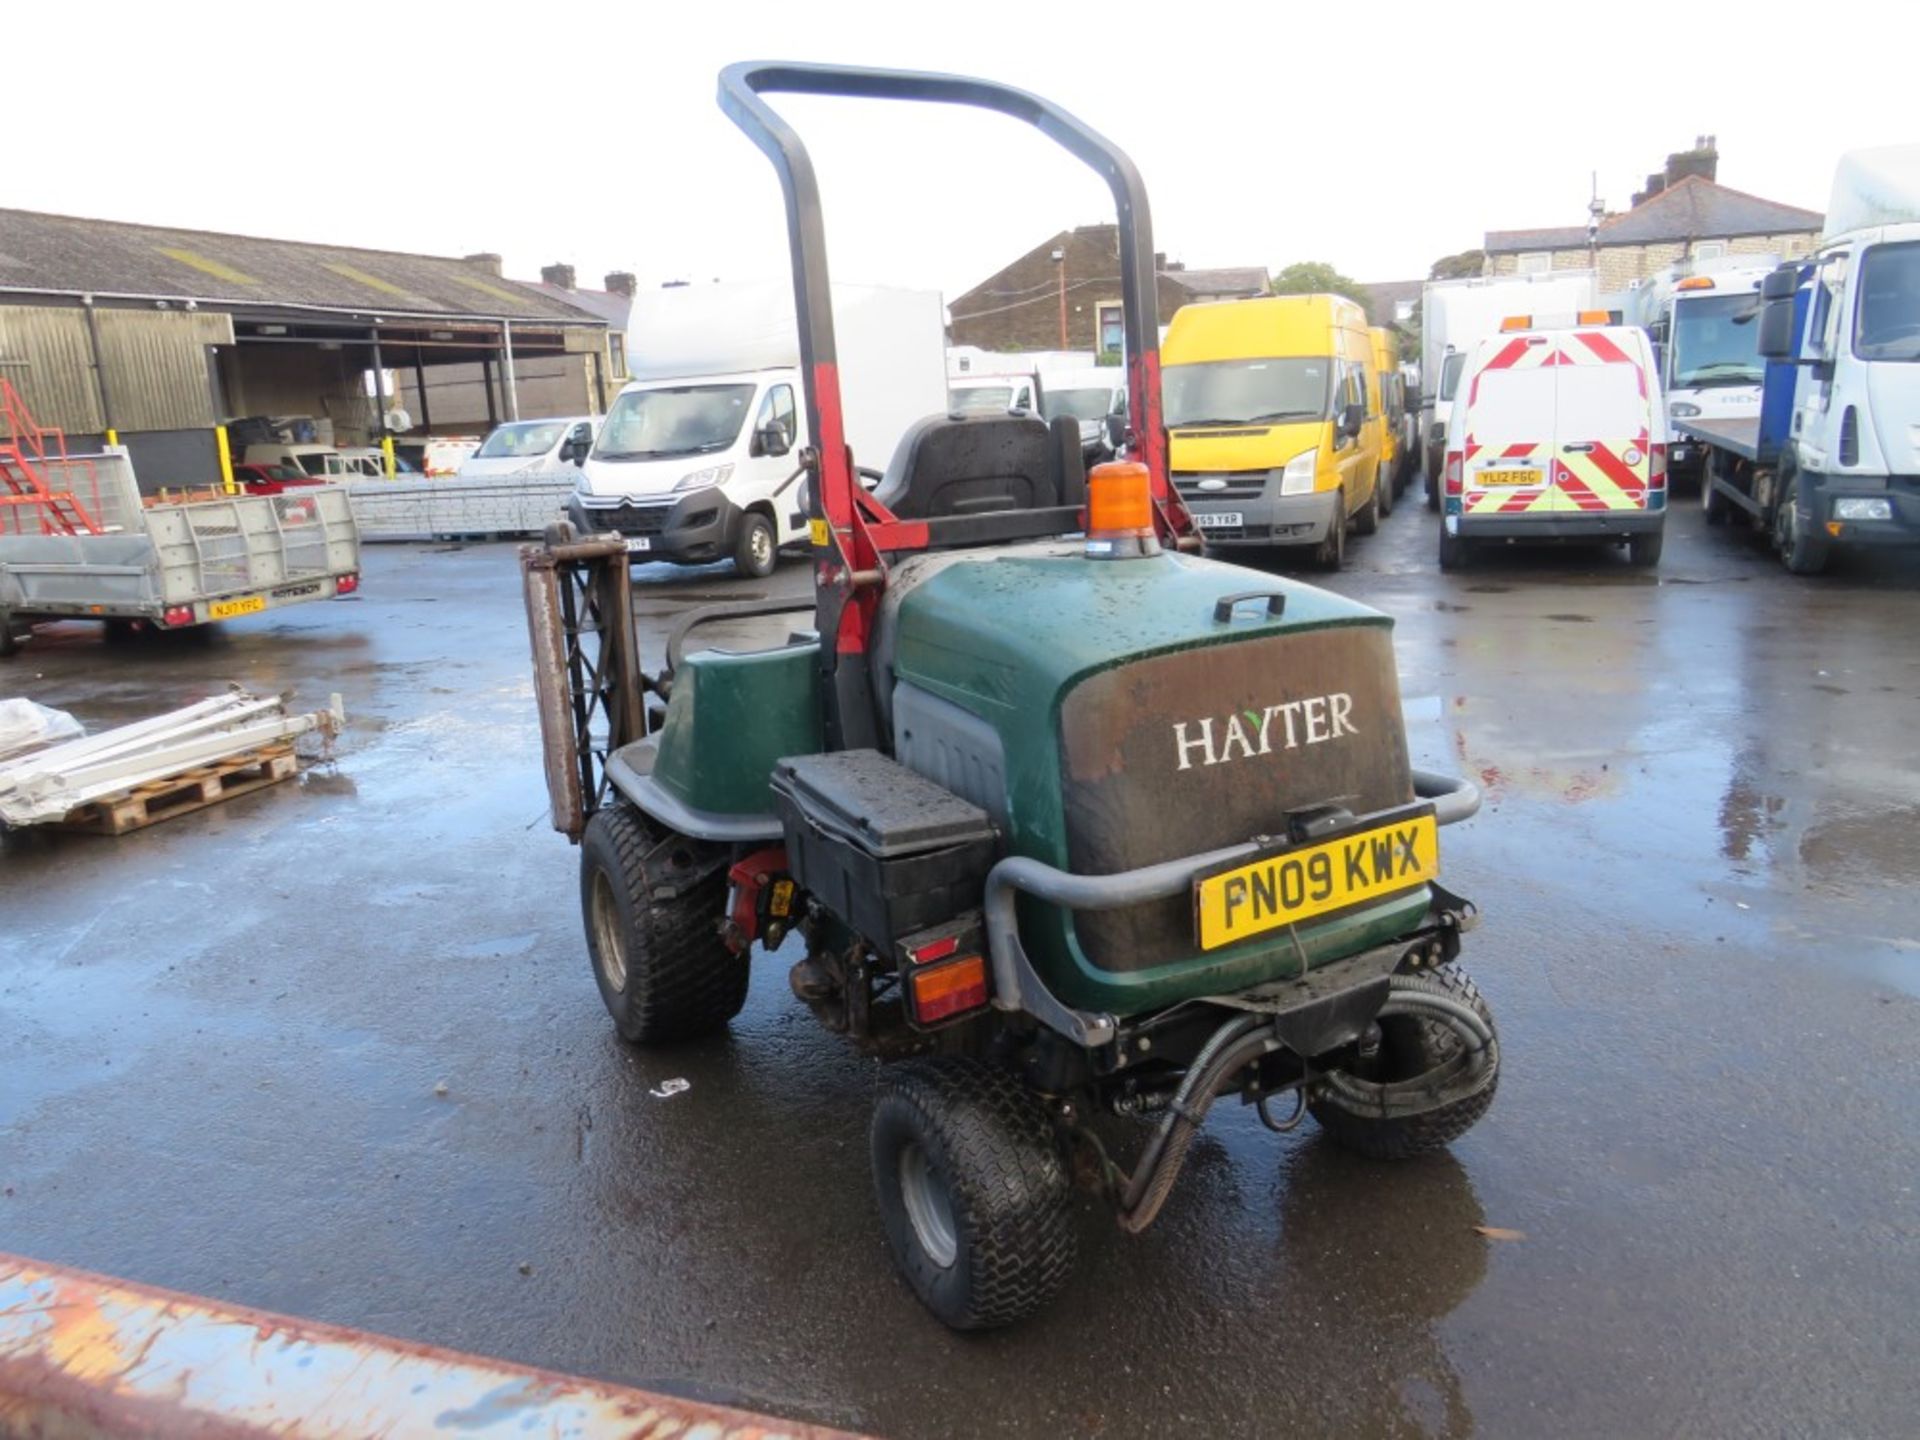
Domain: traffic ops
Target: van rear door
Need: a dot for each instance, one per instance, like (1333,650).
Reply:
(1508,446)
(1602,407)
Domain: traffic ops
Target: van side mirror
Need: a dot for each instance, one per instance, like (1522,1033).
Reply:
(1353,418)
(770,440)
(575,451)
(1115,429)
(1776,328)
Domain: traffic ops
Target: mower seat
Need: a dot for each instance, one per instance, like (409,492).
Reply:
(949,467)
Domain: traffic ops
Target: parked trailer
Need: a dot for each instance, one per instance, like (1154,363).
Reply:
(168,565)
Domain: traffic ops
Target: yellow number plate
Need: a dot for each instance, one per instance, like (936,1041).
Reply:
(227,609)
(1312,880)
(1507,477)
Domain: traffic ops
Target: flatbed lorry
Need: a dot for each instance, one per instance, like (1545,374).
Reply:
(1833,458)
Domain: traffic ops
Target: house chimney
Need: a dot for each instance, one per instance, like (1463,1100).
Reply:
(621,282)
(486,260)
(560,277)
(1702,160)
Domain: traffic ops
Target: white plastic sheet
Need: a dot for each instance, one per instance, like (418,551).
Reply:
(26,725)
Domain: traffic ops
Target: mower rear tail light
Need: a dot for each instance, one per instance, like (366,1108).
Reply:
(345,584)
(942,991)
(177,615)
(1455,464)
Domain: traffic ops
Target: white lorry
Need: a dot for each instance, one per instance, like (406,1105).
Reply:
(699,458)
(1703,319)
(1455,315)
(1832,459)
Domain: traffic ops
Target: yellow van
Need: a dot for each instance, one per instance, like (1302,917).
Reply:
(1272,408)
(1395,449)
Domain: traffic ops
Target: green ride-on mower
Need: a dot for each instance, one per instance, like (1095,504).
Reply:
(1072,822)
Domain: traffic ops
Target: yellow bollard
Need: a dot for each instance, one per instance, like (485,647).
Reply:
(226,460)
(386,450)
(113,436)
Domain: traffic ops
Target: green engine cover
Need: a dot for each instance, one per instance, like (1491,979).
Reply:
(1136,727)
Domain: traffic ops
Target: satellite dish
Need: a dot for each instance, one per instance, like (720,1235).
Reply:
(399,421)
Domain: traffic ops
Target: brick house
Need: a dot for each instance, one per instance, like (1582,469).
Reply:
(1683,214)
(1019,307)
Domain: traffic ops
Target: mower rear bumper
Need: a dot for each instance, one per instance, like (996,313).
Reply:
(1017,986)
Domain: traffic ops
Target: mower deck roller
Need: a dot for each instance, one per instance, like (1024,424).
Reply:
(1083,829)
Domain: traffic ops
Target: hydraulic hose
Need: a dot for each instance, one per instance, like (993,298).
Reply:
(1470,1073)
(1234,1044)
(1247,1037)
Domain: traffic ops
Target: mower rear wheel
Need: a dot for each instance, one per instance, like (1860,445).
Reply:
(973,1190)
(662,969)
(1410,1047)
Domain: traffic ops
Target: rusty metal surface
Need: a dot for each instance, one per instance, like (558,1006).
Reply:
(546,631)
(83,1356)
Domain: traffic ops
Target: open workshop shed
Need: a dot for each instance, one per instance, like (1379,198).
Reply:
(155,338)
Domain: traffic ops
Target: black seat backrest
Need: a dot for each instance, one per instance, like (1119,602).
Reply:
(947,466)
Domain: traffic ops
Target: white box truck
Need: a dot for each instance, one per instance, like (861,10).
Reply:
(1455,315)
(699,456)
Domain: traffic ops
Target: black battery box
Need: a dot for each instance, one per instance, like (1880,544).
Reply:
(885,849)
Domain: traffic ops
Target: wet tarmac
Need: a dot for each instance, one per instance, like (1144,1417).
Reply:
(333,1048)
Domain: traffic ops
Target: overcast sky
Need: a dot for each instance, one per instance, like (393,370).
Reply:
(1374,136)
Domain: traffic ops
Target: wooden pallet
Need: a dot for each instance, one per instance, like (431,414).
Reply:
(186,792)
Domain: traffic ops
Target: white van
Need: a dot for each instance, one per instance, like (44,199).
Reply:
(532,449)
(699,458)
(994,395)
(1562,436)
(1089,396)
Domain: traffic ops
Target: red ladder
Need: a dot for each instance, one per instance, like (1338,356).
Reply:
(24,491)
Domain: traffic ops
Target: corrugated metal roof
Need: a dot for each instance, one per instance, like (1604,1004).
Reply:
(1692,208)
(65,254)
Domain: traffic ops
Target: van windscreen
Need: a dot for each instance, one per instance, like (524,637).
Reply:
(1246,392)
(673,420)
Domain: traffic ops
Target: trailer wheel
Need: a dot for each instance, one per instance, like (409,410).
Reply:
(1644,550)
(1411,1047)
(661,966)
(973,1191)
(755,552)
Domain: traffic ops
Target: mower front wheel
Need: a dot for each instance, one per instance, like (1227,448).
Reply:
(973,1191)
(662,968)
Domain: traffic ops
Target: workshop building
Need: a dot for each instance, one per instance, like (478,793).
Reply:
(158,338)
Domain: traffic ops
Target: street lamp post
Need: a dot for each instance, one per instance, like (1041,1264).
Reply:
(1060,265)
